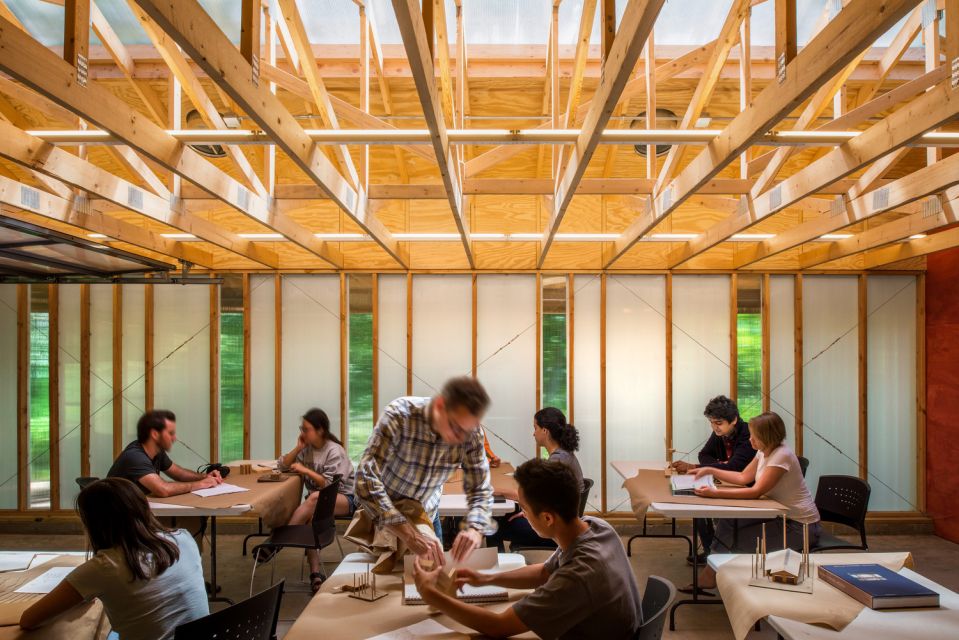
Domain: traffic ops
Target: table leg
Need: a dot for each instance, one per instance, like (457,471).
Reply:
(695,599)
(213,584)
(672,534)
(259,534)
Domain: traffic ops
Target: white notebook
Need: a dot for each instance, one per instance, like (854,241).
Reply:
(483,560)
(686,484)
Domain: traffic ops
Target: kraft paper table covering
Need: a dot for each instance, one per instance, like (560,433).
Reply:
(649,486)
(272,501)
(500,481)
(825,605)
(336,615)
(86,621)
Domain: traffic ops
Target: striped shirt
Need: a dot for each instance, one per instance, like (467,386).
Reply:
(405,458)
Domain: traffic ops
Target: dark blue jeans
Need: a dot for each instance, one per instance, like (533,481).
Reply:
(518,532)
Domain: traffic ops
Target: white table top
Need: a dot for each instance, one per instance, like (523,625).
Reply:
(915,624)
(454,504)
(629,468)
(360,562)
(677,510)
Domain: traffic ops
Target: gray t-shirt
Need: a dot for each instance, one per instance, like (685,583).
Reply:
(145,609)
(569,459)
(328,460)
(591,591)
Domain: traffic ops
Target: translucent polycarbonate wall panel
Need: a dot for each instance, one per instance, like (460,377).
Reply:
(506,361)
(69,302)
(38,375)
(554,350)
(891,392)
(782,351)
(134,364)
(442,330)
(262,367)
(585,413)
(8,395)
(635,374)
(101,379)
(391,326)
(700,356)
(830,376)
(231,368)
(181,356)
(749,345)
(311,352)
(360,363)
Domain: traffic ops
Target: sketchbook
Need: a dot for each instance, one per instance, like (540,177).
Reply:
(484,560)
(686,484)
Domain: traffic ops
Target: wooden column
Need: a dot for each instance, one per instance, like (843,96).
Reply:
(798,362)
(765,309)
(277,364)
(733,341)
(863,379)
(539,342)
(117,369)
(148,346)
(409,333)
(920,461)
(608,28)
(214,372)
(23,396)
(669,366)
(53,296)
(344,360)
(376,347)
(785,36)
(84,380)
(247,370)
(570,346)
(475,327)
(76,36)
(602,383)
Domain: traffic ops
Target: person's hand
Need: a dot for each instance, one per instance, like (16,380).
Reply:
(424,546)
(702,471)
(300,442)
(683,467)
(465,542)
(215,474)
(707,492)
(518,514)
(494,461)
(425,579)
(207,482)
(470,577)
(298,467)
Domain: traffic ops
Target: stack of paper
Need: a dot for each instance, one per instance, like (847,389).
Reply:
(687,484)
(45,582)
(218,490)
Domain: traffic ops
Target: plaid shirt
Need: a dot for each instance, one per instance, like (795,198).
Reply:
(405,458)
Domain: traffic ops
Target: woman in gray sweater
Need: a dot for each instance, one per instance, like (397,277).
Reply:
(318,456)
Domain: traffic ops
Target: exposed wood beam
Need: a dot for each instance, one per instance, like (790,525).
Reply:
(199,36)
(728,35)
(443,57)
(745,93)
(320,97)
(852,30)
(579,61)
(922,114)
(63,210)
(364,170)
(933,50)
(416,39)
(7,14)
(378,62)
(634,88)
(893,54)
(895,195)
(462,82)
(912,249)
(76,36)
(136,165)
(607,28)
(251,12)
(785,17)
(638,20)
(952,33)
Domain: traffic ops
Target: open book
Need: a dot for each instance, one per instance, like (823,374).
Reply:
(483,560)
(686,484)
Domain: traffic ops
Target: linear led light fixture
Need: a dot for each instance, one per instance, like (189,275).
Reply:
(670,237)
(828,237)
(751,237)
(179,236)
(917,236)
(485,136)
(97,236)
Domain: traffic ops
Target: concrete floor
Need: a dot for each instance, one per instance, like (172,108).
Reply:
(935,558)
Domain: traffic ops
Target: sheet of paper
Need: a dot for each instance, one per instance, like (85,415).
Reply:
(428,628)
(45,582)
(687,482)
(15,560)
(219,490)
(165,505)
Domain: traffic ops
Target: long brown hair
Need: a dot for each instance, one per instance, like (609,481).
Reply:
(115,514)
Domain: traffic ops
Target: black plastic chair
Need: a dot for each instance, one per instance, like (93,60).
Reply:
(659,594)
(843,500)
(319,533)
(85,481)
(584,496)
(252,619)
(803,465)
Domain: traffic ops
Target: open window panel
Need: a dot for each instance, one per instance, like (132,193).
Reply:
(30,253)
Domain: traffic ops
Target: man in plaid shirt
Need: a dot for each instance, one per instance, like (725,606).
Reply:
(415,447)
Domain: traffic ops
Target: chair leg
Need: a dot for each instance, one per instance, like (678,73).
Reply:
(342,555)
(273,568)
(252,575)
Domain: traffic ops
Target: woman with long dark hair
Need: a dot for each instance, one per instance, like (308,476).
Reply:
(561,441)
(149,579)
(318,456)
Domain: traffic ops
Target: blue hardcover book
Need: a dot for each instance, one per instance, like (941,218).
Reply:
(878,587)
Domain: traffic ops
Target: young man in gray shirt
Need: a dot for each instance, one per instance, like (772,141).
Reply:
(585,590)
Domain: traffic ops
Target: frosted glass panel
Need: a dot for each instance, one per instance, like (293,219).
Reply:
(262,366)
(891,392)
(8,395)
(635,374)
(700,356)
(311,351)
(586,395)
(134,370)
(782,343)
(101,379)
(506,361)
(830,376)
(442,331)
(392,340)
(69,300)
(181,356)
